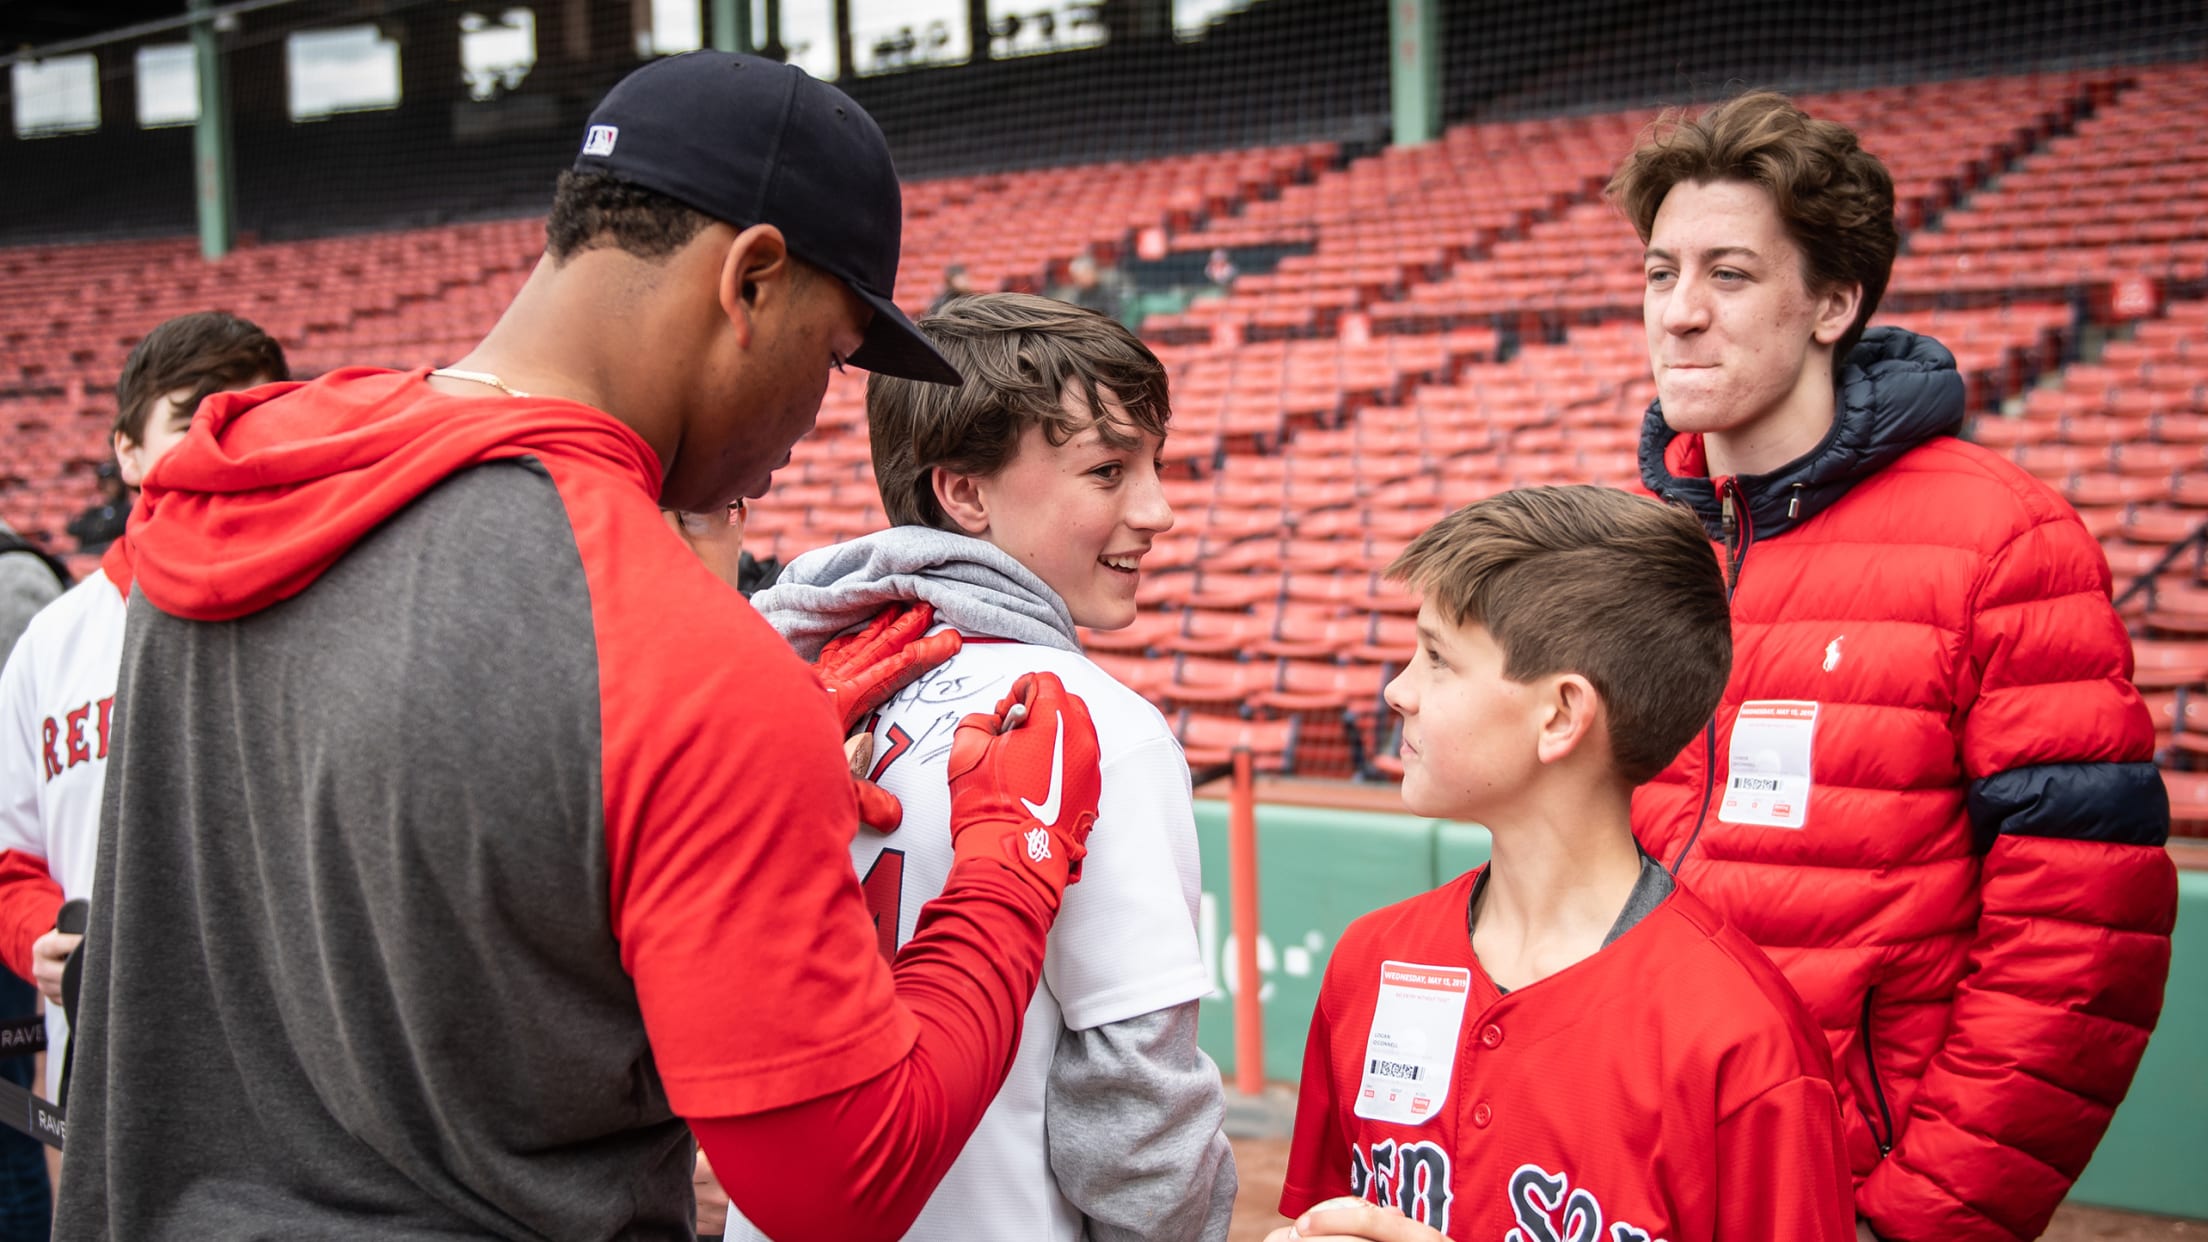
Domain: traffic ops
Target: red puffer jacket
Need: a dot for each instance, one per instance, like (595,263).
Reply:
(1928,795)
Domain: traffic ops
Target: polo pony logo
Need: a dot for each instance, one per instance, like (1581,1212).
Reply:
(1832,654)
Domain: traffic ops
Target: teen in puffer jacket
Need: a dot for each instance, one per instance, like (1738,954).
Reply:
(1928,792)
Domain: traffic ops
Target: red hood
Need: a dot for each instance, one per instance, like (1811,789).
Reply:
(248,511)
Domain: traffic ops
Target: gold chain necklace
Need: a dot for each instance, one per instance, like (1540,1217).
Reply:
(478,377)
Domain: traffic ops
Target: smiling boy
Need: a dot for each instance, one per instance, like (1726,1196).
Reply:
(1563,1043)
(1024,502)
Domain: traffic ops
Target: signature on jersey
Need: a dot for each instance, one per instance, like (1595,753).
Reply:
(940,685)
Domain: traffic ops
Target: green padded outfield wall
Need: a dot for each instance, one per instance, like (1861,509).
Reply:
(1319,869)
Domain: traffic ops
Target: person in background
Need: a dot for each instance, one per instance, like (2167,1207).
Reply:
(30,579)
(1219,269)
(104,519)
(1092,287)
(956,284)
(57,686)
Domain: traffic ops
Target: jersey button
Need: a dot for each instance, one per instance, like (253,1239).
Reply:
(1491,1035)
(1482,1114)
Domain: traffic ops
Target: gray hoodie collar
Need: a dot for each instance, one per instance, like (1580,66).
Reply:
(974,586)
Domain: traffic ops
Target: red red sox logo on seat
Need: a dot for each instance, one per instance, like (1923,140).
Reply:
(65,743)
(1550,1210)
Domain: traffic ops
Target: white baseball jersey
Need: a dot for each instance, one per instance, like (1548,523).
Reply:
(57,700)
(1125,942)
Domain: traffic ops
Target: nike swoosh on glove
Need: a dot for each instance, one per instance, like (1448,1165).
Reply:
(862,669)
(1025,782)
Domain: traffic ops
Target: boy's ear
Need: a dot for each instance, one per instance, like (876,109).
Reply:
(127,463)
(1835,311)
(1574,712)
(962,499)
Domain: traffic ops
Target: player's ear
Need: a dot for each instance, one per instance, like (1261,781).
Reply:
(757,272)
(963,499)
(1571,712)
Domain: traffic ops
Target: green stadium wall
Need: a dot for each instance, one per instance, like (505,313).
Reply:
(1320,868)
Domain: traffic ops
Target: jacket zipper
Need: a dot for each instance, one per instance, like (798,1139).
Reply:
(1738,534)
(1878,1091)
(1740,531)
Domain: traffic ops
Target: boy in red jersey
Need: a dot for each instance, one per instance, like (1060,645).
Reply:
(1563,1044)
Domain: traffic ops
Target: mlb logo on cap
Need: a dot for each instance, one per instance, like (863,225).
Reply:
(599,139)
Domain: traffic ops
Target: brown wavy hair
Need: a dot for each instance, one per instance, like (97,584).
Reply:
(1836,199)
(1019,354)
(1590,580)
(206,352)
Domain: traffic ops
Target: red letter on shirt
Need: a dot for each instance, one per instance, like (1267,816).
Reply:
(107,715)
(52,733)
(80,751)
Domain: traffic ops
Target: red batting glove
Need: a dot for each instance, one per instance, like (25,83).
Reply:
(862,669)
(1024,784)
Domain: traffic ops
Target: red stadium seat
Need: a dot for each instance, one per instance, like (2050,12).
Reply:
(2168,664)
(1211,740)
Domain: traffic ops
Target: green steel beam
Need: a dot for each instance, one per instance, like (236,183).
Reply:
(732,25)
(213,158)
(1414,69)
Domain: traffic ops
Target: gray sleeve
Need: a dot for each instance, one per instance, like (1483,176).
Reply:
(1133,1111)
(26,586)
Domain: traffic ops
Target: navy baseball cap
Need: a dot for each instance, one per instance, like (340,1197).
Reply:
(747,141)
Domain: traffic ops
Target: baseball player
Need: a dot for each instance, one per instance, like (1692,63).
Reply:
(57,692)
(1024,503)
(472,853)
(1562,1045)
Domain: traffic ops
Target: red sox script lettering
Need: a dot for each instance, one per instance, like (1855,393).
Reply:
(66,742)
(1413,1178)
(1550,1209)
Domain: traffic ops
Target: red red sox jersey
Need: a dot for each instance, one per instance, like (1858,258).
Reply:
(1669,1087)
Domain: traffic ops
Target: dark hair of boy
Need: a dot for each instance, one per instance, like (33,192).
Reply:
(206,352)
(1618,588)
(1019,354)
(1836,198)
